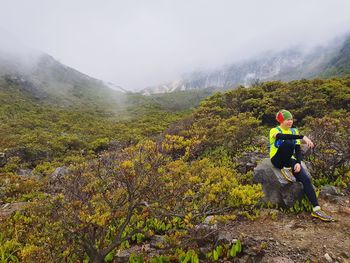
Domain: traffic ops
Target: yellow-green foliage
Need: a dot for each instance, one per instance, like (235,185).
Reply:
(204,188)
(225,251)
(8,249)
(17,188)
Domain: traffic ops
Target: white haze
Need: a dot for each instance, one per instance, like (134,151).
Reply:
(136,44)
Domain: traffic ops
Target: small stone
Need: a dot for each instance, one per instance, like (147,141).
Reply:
(146,247)
(5,205)
(209,220)
(345,255)
(328,258)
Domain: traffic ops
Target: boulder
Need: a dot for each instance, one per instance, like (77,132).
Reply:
(25,172)
(328,190)
(206,232)
(56,181)
(2,159)
(8,208)
(278,190)
(225,237)
(247,161)
(59,172)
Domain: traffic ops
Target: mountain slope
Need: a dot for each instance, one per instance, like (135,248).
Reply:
(51,82)
(332,59)
(339,65)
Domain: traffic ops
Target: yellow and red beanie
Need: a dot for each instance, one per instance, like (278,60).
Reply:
(283,115)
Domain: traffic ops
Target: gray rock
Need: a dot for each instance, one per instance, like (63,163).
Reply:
(345,255)
(204,250)
(124,255)
(209,220)
(204,233)
(225,237)
(8,208)
(277,260)
(328,258)
(2,159)
(25,172)
(247,161)
(59,172)
(328,190)
(157,241)
(276,189)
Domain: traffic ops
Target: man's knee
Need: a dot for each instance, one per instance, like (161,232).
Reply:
(287,144)
(302,176)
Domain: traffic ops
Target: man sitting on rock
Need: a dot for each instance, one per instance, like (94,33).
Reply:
(285,154)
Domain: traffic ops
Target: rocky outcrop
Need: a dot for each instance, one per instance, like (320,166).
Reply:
(59,172)
(247,161)
(9,208)
(277,190)
(2,159)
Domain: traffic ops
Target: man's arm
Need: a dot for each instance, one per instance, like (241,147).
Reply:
(308,142)
(288,136)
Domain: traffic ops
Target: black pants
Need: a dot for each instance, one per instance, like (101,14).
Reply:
(283,158)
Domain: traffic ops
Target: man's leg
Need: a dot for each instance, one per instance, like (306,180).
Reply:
(310,193)
(302,177)
(283,155)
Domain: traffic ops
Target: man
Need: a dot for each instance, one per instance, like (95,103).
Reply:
(285,154)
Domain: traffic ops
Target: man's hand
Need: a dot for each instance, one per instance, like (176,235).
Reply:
(308,142)
(297,168)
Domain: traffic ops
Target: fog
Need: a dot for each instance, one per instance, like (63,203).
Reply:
(136,44)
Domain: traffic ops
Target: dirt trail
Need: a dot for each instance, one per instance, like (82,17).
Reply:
(279,237)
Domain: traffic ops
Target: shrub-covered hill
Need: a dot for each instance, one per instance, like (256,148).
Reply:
(305,98)
(228,124)
(38,134)
(114,196)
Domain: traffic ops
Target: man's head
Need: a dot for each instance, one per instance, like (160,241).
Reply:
(283,115)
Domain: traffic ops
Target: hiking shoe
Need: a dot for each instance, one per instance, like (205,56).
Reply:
(287,174)
(322,215)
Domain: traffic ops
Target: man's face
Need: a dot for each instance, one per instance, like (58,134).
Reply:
(287,123)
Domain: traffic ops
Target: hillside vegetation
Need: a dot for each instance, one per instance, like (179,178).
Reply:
(158,173)
(340,64)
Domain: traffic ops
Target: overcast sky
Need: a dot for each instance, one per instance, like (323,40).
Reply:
(141,43)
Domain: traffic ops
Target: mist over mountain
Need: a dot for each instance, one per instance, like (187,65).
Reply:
(290,64)
(49,81)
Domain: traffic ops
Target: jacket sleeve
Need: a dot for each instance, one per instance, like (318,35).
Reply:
(288,136)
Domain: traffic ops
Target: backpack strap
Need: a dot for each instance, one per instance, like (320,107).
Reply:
(280,141)
(294,132)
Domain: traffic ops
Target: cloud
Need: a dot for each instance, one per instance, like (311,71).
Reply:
(141,43)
